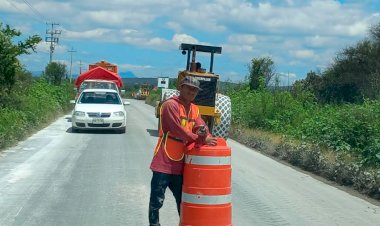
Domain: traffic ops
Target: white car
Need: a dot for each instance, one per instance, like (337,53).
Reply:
(99,109)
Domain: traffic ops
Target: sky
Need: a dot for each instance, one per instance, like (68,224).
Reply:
(143,36)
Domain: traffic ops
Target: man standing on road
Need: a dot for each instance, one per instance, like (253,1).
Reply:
(181,128)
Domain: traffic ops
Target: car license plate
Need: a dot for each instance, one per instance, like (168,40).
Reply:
(97,121)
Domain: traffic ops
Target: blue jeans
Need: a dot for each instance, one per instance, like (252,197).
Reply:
(158,185)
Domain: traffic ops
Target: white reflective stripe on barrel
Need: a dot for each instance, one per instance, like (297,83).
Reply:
(208,160)
(206,199)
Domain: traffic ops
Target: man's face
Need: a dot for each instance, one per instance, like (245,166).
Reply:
(188,93)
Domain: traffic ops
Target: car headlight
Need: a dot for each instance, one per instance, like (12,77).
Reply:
(118,113)
(79,113)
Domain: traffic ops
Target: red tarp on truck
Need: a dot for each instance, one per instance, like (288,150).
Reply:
(99,73)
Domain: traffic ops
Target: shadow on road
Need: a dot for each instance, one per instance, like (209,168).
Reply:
(69,130)
(152,132)
(94,131)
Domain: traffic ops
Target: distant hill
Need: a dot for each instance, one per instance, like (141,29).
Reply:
(136,82)
(127,74)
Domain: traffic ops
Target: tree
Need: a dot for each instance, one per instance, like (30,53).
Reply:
(374,77)
(55,72)
(312,83)
(351,73)
(23,79)
(375,33)
(260,69)
(9,52)
(355,73)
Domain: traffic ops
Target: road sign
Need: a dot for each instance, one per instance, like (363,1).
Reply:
(163,83)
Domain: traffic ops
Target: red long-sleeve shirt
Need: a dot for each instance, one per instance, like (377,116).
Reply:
(170,121)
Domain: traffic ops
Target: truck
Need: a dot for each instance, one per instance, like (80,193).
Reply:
(104,64)
(143,92)
(214,107)
(99,76)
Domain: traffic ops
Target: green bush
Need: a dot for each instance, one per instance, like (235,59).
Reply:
(154,95)
(348,128)
(31,107)
(12,127)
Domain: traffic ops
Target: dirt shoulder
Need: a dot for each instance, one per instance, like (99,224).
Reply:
(338,170)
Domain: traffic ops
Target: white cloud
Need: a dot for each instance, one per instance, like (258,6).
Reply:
(24,28)
(60,49)
(130,32)
(294,62)
(232,76)
(205,17)
(355,29)
(44,47)
(99,33)
(320,41)
(119,18)
(13,6)
(152,43)
(305,53)
(174,26)
(133,67)
(242,38)
(158,43)
(227,48)
(184,38)
(322,17)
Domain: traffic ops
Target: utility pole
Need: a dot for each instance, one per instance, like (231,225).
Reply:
(288,82)
(53,38)
(80,67)
(71,61)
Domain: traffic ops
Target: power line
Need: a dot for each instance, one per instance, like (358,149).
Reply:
(24,12)
(34,10)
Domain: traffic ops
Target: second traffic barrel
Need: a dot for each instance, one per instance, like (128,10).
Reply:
(206,190)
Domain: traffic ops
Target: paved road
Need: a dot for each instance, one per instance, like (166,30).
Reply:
(100,178)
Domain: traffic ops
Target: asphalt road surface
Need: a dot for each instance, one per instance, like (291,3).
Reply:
(57,177)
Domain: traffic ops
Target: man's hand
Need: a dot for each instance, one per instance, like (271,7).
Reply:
(202,131)
(210,141)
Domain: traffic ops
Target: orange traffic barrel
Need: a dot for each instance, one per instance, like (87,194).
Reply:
(206,190)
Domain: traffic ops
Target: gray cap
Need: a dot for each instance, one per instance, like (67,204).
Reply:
(191,81)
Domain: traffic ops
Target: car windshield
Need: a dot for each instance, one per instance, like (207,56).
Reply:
(97,85)
(99,98)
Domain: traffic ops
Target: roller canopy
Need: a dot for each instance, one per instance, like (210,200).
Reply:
(99,73)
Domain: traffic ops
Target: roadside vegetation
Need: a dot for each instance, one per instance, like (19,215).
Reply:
(328,123)
(155,95)
(27,103)
(338,142)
